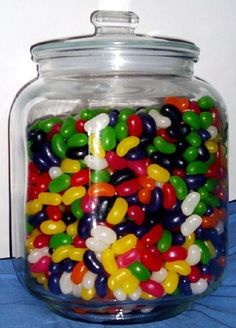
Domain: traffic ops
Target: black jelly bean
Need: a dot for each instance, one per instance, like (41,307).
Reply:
(173,131)
(113,116)
(181,145)
(103,207)
(172,112)
(39,138)
(68,218)
(162,160)
(156,200)
(135,154)
(120,176)
(178,239)
(203,153)
(145,140)
(77,152)
(204,134)
(184,286)
(101,285)
(149,125)
(195,181)
(92,263)
(184,129)
(54,283)
(124,228)
(173,220)
(38,218)
(178,161)
(85,226)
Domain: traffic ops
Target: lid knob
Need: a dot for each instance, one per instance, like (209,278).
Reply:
(114,22)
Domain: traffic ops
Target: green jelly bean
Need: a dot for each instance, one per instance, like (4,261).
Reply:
(100,176)
(68,127)
(212,200)
(139,271)
(192,119)
(150,150)
(190,154)
(206,102)
(164,146)
(60,183)
(76,209)
(211,160)
(205,253)
(29,227)
(165,242)
(203,193)
(211,184)
(60,239)
(58,146)
(176,292)
(200,209)
(29,151)
(47,124)
(179,186)
(124,114)
(83,164)
(77,140)
(121,130)
(108,138)
(197,167)
(194,139)
(206,119)
(86,114)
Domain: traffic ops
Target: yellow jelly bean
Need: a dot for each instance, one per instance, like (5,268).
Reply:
(49,198)
(50,227)
(33,207)
(29,244)
(216,139)
(117,279)
(158,173)
(70,165)
(126,144)
(41,279)
(211,146)
(109,262)
(147,296)
(73,193)
(72,229)
(210,247)
(171,282)
(124,244)
(87,294)
(95,146)
(189,240)
(181,267)
(118,211)
(76,254)
(130,285)
(61,253)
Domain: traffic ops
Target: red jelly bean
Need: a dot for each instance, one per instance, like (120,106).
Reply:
(147,182)
(32,192)
(139,167)
(79,125)
(180,173)
(136,213)
(33,174)
(206,276)
(55,129)
(144,196)
(127,188)
(195,274)
(78,242)
(151,258)
(43,182)
(115,162)
(162,133)
(42,265)
(175,253)
(153,236)
(193,106)
(89,204)
(135,126)
(80,178)
(128,258)
(41,240)
(54,213)
(169,196)
(152,287)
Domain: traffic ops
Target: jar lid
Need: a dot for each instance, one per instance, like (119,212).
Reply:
(115,35)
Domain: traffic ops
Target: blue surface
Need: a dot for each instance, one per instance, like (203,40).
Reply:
(19,309)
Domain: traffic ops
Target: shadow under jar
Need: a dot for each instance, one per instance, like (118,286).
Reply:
(118,160)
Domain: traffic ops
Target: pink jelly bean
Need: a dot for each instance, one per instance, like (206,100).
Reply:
(42,265)
(127,258)
(115,162)
(152,287)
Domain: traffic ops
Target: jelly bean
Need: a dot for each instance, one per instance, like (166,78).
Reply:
(211,146)
(190,154)
(139,271)
(147,182)
(205,254)
(77,153)
(152,287)
(95,163)
(169,195)
(68,127)
(181,267)
(165,241)
(113,117)
(175,253)
(76,209)
(108,261)
(195,181)
(139,167)
(118,211)
(136,214)
(77,290)
(194,139)
(108,138)
(178,239)
(149,125)
(189,240)
(195,274)
(136,294)
(197,167)
(96,245)
(159,276)
(127,188)
(101,189)
(88,280)
(126,144)
(60,239)
(135,126)
(128,258)
(194,255)
(50,227)
(206,119)
(212,130)
(121,131)
(95,146)
(191,224)
(117,279)
(91,262)
(61,253)
(173,220)
(121,176)
(85,226)
(190,202)
(163,160)
(192,119)
(68,218)
(205,102)
(97,123)
(60,183)
(54,172)
(100,176)
(73,193)
(199,287)
(124,227)
(36,254)
(33,207)
(41,162)
(119,294)
(101,285)
(41,241)
(65,283)
(184,286)
(153,236)
(125,114)
(87,114)
(172,113)
(171,282)
(38,140)
(42,265)
(80,178)
(104,233)
(78,273)
(158,173)
(160,120)
(70,165)
(54,213)
(124,244)
(151,260)
(180,102)
(164,146)
(77,140)
(58,146)
(130,285)
(53,284)
(136,153)
(76,254)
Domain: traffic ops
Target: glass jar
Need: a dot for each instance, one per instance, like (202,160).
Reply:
(118,158)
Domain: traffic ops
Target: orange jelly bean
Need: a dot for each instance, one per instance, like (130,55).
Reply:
(209,222)
(144,196)
(101,189)
(147,182)
(180,102)
(78,272)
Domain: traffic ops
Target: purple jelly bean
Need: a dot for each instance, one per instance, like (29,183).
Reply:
(195,181)
(172,112)
(85,226)
(209,210)
(173,220)
(38,218)
(67,265)
(132,199)
(140,230)
(156,200)
(55,268)
(41,162)
(113,116)
(53,283)
(184,286)
(124,228)
(48,154)
(92,263)
(149,125)
(178,238)
(121,176)
(101,285)
(204,134)
(135,154)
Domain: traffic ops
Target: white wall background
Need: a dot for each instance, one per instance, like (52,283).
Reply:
(211,24)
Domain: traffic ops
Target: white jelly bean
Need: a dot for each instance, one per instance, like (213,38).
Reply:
(36,254)
(220,227)
(55,172)
(97,123)
(77,290)
(160,120)
(159,276)
(96,245)
(190,224)
(119,294)
(95,163)
(213,131)
(104,234)
(136,294)
(194,255)
(88,280)
(66,283)
(199,287)
(190,202)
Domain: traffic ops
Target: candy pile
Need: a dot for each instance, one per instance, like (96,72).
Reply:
(128,204)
